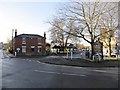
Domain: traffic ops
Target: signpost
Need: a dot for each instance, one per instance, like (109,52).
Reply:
(67,53)
(71,53)
(18,49)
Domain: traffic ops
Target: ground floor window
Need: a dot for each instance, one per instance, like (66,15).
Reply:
(39,49)
(32,48)
(23,49)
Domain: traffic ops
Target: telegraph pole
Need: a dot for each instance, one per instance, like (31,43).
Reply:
(12,39)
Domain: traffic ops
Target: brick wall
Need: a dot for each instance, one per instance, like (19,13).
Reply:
(30,42)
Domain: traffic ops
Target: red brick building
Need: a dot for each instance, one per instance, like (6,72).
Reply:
(29,44)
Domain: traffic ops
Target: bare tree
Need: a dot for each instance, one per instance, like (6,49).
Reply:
(109,21)
(87,16)
(62,30)
(57,35)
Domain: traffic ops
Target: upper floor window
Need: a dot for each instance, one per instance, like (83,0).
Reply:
(23,40)
(39,40)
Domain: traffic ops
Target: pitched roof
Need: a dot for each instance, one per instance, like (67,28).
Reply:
(30,35)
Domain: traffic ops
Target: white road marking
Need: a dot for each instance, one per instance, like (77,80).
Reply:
(59,73)
(103,71)
(71,66)
(73,74)
(75,67)
(47,72)
(99,71)
(85,68)
(39,62)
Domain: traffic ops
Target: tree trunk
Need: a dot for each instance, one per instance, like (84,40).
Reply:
(109,47)
(66,41)
(92,48)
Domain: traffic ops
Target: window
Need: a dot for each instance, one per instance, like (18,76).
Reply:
(23,49)
(39,49)
(39,40)
(32,48)
(23,40)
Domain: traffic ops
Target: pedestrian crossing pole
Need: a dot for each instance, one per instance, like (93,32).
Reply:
(12,40)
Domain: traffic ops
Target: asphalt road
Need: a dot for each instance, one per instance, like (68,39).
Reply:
(31,73)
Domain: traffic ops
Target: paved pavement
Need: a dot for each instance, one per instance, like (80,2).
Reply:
(32,73)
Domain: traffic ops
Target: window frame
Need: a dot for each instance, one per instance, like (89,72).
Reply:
(23,40)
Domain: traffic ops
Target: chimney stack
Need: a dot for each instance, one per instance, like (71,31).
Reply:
(15,32)
(44,35)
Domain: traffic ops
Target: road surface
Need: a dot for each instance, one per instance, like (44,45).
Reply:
(31,73)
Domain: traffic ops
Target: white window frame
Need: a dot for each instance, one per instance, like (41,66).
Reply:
(23,40)
(39,48)
(39,40)
(33,47)
(23,49)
